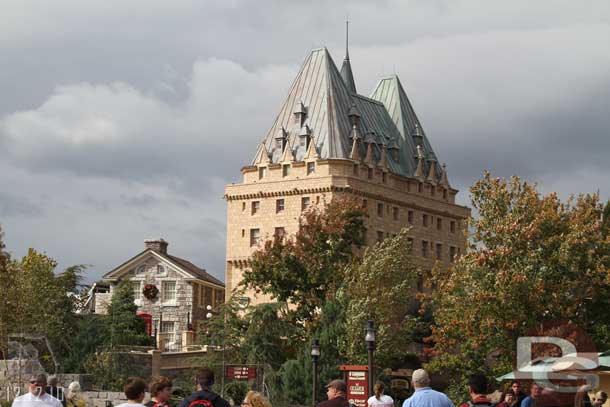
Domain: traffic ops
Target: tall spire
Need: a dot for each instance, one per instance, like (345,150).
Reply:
(346,68)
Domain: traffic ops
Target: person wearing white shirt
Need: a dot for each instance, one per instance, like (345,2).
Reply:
(36,396)
(380,399)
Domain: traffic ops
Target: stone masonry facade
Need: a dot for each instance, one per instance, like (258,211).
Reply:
(273,196)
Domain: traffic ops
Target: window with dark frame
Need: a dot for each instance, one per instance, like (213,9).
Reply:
(424,248)
(262,172)
(255,235)
(380,209)
(411,217)
(279,205)
(311,168)
(425,220)
(379,236)
(256,206)
(452,226)
(439,251)
(285,170)
(395,213)
(305,202)
(439,224)
(451,254)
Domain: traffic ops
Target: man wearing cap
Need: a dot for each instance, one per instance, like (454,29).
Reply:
(36,396)
(424,396)
(336,391)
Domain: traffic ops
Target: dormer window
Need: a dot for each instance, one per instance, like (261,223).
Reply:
(262,172)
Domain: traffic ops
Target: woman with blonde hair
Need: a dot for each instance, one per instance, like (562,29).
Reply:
(75,398)
(255,399)
(380,399)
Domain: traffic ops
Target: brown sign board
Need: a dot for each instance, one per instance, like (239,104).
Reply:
(357,379)
(241,372)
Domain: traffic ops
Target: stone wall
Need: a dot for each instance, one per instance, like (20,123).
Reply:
(99,398)
(396,197)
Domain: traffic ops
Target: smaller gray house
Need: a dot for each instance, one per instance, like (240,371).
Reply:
(172,294)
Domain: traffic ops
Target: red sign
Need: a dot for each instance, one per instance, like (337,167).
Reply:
(357,379)
(241,372)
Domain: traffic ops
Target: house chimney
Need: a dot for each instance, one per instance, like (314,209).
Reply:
(159,245)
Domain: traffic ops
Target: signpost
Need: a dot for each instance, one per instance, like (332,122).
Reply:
(237,372)
(356,377)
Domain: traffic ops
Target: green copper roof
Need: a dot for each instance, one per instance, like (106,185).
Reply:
(327,101)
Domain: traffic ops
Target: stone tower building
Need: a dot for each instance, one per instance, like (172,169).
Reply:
(326,140)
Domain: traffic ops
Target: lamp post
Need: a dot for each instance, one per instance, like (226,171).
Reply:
(315,356)
(209,315)
(369,338)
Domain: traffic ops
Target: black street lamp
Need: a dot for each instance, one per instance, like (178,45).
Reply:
(369,338)
(315,355)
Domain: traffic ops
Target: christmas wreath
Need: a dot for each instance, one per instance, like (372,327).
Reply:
(150,291)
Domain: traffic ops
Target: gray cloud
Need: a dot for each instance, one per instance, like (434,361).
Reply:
(120,122)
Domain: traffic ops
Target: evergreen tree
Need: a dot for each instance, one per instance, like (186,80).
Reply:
(124,326)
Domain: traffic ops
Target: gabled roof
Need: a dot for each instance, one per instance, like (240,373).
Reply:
(328,97)
(185,267)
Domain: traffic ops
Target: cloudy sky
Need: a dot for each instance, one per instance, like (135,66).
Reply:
(123,120)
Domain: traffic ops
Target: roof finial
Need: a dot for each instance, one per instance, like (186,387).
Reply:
(347,39)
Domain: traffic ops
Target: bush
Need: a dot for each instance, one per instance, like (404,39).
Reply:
(236,391)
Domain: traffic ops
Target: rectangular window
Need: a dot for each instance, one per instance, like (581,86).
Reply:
(439,251)
(256,206)
(370,173)
(380,210)
(425,220)
(280,232)
(243,206)
(356,169)
(305,202)
(220,297)
(279,205)
(445,194)
(255,235)
(364,204)
(410,242)
(432,190)
(137,292)
(424,248)
(395,213)
(168,332)
(439,224)
(285,170)
(420,187)
(452,226)
(451,254)
(169,290)
(311,168)
(384,177)
(379,236)
(411,217)
(262,171)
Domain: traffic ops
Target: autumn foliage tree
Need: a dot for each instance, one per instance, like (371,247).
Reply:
(306,269)
(533,258)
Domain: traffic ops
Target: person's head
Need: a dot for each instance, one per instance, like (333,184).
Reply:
(255,399)
(515,387)
(53,381)
(600,398)
(477,384)
(161,389)
(38,384)
(134,389)
(73,390)
(378,389)
(509,397)
(535,390)
(205,379)
(420,379)
(336,388)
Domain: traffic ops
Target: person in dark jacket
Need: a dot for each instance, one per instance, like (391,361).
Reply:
(204,396)
(336,391)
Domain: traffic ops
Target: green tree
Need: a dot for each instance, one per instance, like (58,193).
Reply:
(307,269)
(382,287)
(123,325)
(533,259)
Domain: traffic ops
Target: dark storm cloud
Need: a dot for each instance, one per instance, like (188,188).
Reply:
(125,121)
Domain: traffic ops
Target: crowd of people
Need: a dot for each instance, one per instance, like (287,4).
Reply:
(43,394)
